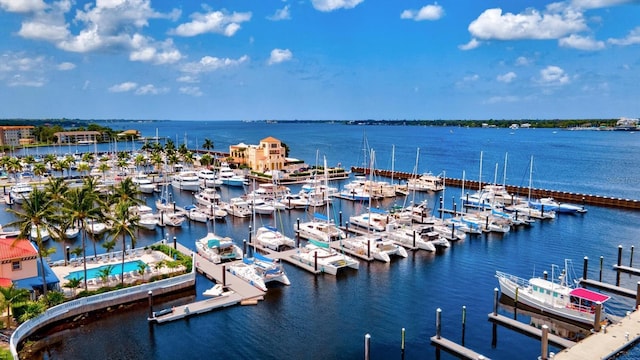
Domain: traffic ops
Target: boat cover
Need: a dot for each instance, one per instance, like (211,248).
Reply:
(320,216)
(589,295)
(262,257)
(320,244)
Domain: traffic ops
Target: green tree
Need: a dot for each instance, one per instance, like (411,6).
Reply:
(73,284)
(37,212)
(124,224)
(31,310)
(104,273)
(13,296)
(208,144)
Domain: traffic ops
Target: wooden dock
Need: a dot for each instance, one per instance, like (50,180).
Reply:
(242,292)
(529,330)
(611,340)
(455,349)
(610,288)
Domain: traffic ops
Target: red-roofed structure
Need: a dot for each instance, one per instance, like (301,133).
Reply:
(18,259)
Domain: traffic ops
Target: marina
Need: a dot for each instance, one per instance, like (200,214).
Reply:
(470,263)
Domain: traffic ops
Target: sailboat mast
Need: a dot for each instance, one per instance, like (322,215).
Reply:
(504,175)
(480,175)
(530,177)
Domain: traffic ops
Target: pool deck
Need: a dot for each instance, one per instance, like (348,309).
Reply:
(115,258)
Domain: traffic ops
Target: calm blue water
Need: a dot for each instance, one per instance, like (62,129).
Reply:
(95,272)
(324,317)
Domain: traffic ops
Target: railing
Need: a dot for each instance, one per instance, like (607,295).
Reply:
(58,312)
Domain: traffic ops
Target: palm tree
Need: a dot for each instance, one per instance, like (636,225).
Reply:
(39,169)
(39,212)
(84,168)
(206,160)
(13,296)
(104,273)
(73,284)
(82,204)
(109,245)
(124,224)
(208,144)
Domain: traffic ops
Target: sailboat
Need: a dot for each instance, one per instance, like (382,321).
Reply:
(526,209)
(327,260)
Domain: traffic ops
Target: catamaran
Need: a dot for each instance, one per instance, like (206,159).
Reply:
(327,259)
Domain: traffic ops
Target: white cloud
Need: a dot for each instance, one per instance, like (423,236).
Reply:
(280,55)
(22,6)
(468,78)
(581,43)
(17,69)
(553,76)
(146,50)
(493,24)
(40,30)
(507,78)
(631,39)
(429,12)
(150,89)
(503,99)
(523,61)
(281,14)
(188,79)
(210,63)
(212,22)
(190,90)
(331,5)
(20,80)
(472,44)
(123,87)
(66,66)
(594,4)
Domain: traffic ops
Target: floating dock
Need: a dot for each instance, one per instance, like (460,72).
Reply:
(240,292)
(529,330)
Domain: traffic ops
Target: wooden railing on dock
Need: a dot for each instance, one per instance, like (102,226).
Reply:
(562,196)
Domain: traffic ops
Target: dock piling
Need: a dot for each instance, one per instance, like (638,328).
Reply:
(496,294)
(340,218)
(596,319)
(464,322)
(414,238)
(515,305)
(402,344)
(601,267)
(631,258)
(175,245)
(637,295)
(368,248)
(441,207)
(244,246)
(545,342)
(585,265)
(367,341)
(150,296)
(315,261)
(438,323)
(224,275)
(619,264)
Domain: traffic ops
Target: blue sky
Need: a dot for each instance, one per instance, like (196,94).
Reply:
(319,59)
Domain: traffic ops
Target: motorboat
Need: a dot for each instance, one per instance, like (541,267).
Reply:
(325,259)
(186,180)
(372,220)
(269,237)
(261,207)
(259,270)
(95,227)
(557,295)
(208,179)
(207,197)
(39,231)
(218,249)
(217,290)
(194,213)
(238,207)
(426,182)
(406,236)
(215,211)
(147,219)
(144,184)
(246,271)
(8,233)
(551,204)
(20,191)
(229,177)
(174,219)
(294,201)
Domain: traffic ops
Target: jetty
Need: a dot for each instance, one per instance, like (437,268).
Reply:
(562,196)
(239,292)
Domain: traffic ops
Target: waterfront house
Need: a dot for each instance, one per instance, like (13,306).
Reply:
(19,264)
(268,155)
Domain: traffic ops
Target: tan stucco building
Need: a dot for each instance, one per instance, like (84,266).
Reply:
(268,155)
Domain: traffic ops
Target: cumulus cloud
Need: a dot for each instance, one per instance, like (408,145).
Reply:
(22,6)
(331,5)
(145,49)
(553,76)
(123,87)
(20,80)
(212,22)
(210,63)
(502,99)
(281,14)
(631,39)
(594,4)
(472,44)
(429,12)
(65,66)
(581,43)
(531,24)
(507,78)
(523,61)
(280,55)
(188,79)
(18,69)
(150,89)
(190,90)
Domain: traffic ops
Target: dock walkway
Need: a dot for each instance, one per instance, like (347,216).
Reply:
(605,344)
(240,291)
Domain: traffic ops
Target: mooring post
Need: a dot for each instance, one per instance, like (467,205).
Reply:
(438,322)
(367,340)
(453,231)
(175,243)
(464,321)
(315,261)
(601,267)
(150,297)
(67,257)
(298,232)
(441,208)
(454,208)
(496,296)
(619,255)
(637,295)
(368,249)
(494,327)
(631,258)
(414,238)
(596,319)
(402,344)
(585,265)
(466,205)
(545,275)
(515,305)
(340,218)
(224,275)
(244,246)
(545,342)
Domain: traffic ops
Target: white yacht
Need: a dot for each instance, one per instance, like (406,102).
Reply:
(375,246)
(20,191)
(148,220)
(320,228)
(144,184)
(373,220)
(238,207)
(95,227)
(406,236)
(207,197)
(186,180)
(194,213)
(229,177)
(208,178)
(218,249)
(269,237)
(327,260)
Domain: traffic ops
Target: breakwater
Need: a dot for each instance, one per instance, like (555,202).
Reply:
(561,196)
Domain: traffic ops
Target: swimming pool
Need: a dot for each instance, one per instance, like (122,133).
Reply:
(116,269)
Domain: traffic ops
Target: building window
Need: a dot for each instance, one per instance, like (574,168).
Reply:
(16,265)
